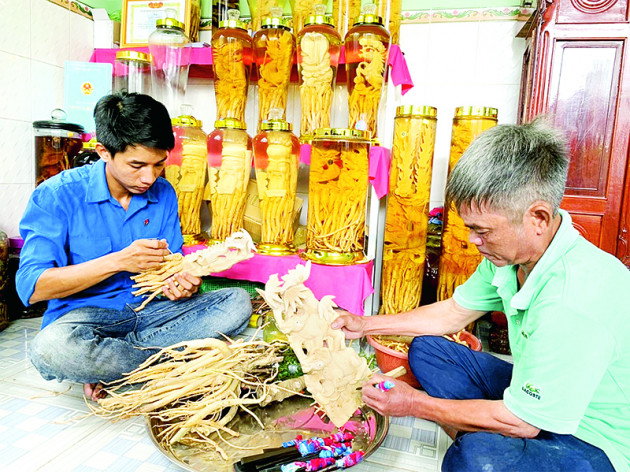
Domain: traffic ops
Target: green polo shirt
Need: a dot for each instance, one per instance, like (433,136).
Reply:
(569,328)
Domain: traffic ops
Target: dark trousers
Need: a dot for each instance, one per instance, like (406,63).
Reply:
(449,370)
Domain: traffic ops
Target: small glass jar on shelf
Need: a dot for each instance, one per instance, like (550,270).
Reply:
(132,72)
(459,257)
(170,51)
(318,48)
(366,48)
(274,46)
(232,55)
(276,160)
(406,223)
(186,166)
(337,196)
(229,167)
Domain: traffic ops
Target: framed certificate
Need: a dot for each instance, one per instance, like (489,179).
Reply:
(139,17)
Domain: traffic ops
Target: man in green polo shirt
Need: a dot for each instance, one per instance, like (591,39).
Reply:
(564,404)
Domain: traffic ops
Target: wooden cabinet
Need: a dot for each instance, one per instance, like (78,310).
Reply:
(576,71)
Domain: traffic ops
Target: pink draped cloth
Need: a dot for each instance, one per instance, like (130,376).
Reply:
(350,285)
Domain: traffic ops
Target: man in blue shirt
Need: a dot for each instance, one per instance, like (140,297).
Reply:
(87,230)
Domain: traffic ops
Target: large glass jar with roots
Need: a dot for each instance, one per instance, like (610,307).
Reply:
(276,160)
(337,196)
(274,46)
(232,56)
(366,48)
(229,167)
(186,166)
(318,48)
(459,257)
(407,219)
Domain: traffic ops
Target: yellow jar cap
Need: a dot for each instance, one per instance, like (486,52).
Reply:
(231,123)
(233,20)
(319,16)
(186,121)
(276,125)
(169,23)
(275,22)
(424,111)
(341,133)
(131,55)
(476,112)
(368,16)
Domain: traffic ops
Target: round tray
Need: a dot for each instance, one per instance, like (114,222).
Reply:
(283,421)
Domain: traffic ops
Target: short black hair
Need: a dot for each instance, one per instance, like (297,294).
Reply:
(130,119)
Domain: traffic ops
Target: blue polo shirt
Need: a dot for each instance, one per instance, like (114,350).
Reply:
(568,331)
(72,218)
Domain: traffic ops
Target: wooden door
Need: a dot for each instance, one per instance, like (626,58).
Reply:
(581,63)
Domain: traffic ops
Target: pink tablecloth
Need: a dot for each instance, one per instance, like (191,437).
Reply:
(350,285)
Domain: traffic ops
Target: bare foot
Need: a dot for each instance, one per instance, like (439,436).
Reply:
(94,391)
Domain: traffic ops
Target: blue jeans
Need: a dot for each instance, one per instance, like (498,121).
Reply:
(449,370)
(92,344)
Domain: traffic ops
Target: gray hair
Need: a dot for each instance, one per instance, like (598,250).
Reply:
(509,167)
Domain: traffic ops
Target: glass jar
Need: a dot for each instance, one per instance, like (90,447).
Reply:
(459,257)
(170,60)
(274,46)
(229,168)
(276,160)
(132,72)
(56,144)
(4,279)
(186,171)
(391,12)
(261,10)
(344,12)
(407,219)
(366,47)
(232,62)
(15,306)
(318,48)
(337,196)
(87,155)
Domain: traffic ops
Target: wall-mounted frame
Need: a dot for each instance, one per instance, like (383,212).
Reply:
(139,16)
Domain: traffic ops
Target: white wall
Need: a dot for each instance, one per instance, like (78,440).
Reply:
(452,64)
(458,64)
(36,37)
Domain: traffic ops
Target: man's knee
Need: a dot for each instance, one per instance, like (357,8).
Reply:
(423,348)
(46,350)
(481,452)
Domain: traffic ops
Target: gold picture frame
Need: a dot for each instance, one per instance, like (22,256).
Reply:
(139,16)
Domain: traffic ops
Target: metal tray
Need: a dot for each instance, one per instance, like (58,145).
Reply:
(283,421)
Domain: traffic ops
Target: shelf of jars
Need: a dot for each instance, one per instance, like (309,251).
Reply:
(201,64)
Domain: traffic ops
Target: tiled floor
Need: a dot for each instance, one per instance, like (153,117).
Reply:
(45,426)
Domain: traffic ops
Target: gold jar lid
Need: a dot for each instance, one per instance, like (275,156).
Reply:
(131,55)
(319,20)
(476,112)
(424,111)
(275,125)
(238,24)
(231,123)
(90,145)
(169,23)
(275,22)
(368,19)
(186,121)
(341,133)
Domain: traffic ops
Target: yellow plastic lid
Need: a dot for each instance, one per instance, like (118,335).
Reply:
(416,110)
(341,133)
(186,121)
(169,23)
(131,55)
(231,123)
(275,22)
(476,112)
(276,125)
